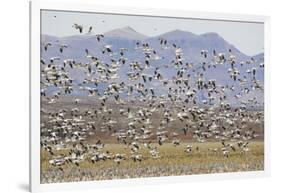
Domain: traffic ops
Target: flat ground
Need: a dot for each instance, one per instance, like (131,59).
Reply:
(173,161)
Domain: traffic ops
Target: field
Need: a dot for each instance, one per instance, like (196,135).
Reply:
(173,161)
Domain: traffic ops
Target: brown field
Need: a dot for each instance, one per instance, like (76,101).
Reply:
(173,161)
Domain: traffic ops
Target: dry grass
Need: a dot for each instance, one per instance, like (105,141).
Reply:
(173,161)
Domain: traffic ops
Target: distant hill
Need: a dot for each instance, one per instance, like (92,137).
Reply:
(127,37)
(126,32)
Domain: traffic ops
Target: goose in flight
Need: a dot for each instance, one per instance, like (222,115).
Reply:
(77,100)
(90,29)
(69,62)
(163,41)
(53,59)
(47,45)
(176,142)
(107,48)
(204,53)
(137,158)
(78,27)
(99,36)
(188,149)
(62,47)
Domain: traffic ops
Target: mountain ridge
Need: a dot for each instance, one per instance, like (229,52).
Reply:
(125,32)
(129,33)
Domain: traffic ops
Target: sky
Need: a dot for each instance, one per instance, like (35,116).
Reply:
(247,37)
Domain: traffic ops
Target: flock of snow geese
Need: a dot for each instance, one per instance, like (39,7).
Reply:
(146,110)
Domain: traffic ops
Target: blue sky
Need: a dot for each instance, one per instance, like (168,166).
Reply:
(247,37)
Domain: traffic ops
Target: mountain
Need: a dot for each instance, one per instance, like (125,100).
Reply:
(48,38)
(259,57)
(178,34)
(127,37)
(126,32)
